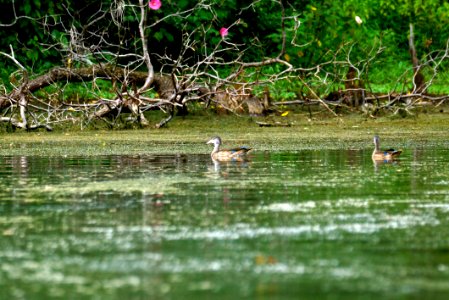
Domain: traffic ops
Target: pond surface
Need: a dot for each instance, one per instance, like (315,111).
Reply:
(295,225)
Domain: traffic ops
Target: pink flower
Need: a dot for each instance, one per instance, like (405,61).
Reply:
(223,32)
(154,4)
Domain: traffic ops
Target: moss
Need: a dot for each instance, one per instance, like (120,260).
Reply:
(188,135)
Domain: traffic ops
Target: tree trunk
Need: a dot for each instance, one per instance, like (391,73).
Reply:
(418,78)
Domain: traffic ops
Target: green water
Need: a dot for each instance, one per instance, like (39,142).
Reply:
(285,225)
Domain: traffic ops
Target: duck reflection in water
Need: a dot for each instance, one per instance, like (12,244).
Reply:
(225,166)
(387,163)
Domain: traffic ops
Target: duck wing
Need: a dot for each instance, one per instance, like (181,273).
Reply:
(239,150)
(392,151)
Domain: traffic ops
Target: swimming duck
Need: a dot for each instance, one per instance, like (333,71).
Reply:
(388,154)
(223,155)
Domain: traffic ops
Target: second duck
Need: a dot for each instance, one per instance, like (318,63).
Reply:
(388,154)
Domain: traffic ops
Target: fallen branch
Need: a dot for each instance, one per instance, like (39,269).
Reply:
(275,124)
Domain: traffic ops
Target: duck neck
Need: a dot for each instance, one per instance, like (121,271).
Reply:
(376,146)
(216,149)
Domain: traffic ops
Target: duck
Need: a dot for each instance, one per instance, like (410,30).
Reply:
(226,155)
(389,154)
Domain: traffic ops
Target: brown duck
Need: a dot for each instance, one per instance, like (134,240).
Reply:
(389,154)
(226,155)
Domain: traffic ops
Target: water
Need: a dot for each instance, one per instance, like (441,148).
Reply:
(309,225)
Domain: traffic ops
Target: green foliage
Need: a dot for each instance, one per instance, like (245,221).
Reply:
(328,30)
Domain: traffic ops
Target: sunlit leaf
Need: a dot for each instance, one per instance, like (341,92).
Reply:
(159,36)
(264,260)
(259,259)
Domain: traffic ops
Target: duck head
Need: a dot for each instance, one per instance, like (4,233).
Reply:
(376,141)
(215,140)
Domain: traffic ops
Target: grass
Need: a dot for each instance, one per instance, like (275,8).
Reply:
(188,136)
